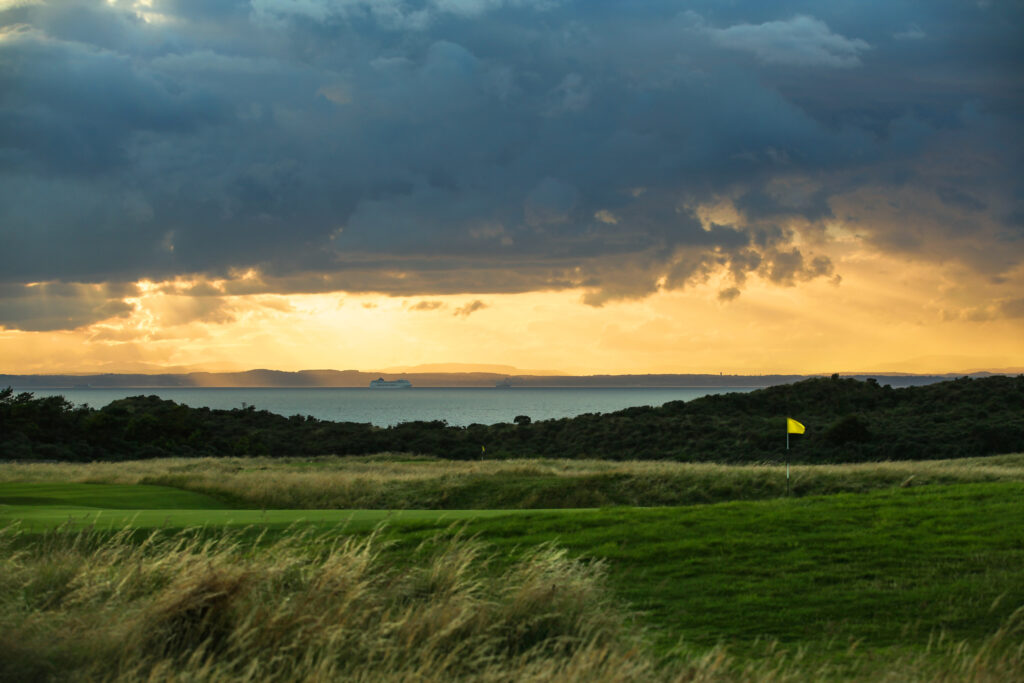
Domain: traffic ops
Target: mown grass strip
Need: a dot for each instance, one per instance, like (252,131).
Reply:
(47,506)
(106,496)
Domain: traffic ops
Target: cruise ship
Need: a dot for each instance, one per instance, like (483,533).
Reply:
(381,383)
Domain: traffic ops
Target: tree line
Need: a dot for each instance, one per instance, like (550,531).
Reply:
(847,420)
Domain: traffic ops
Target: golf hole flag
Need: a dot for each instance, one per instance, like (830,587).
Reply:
(792,427)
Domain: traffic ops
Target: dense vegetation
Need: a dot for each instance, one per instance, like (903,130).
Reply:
(847,421)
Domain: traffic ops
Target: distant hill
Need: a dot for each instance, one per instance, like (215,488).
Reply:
(449,368)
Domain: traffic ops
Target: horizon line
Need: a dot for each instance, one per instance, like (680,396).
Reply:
(526,373)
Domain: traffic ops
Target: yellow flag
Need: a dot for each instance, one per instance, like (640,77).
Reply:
(793,427)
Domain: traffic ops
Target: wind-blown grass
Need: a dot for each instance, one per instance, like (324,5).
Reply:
(410,482)
(204,607)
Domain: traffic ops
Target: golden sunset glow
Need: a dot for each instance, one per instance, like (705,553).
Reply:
(885,315)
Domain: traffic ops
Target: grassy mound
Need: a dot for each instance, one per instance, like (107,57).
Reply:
(401,482)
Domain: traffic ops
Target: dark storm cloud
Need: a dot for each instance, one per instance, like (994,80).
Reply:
(799,41)
(61,306)
(473,146)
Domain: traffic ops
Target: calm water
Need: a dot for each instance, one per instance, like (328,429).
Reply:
(385,407)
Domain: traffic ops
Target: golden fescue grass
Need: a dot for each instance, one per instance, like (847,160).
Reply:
(308,607)
(999,658)
(402,481)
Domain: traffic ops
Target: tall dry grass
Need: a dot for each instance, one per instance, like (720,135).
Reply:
(308,607)
(401,481)
(325,607)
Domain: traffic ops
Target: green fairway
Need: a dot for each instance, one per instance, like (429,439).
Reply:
(38,518)
(39,507)
(887,569)
(106,496)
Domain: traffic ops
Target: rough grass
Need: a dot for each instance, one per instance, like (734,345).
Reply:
(202,607)
(409,482)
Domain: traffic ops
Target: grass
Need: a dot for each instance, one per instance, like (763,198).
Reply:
(45,506)
(916,582)
(871,568)
(106,496)
(392,482)
(347,521)
(886,570)
(204,607)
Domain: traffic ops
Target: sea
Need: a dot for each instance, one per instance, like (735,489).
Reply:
(387,407)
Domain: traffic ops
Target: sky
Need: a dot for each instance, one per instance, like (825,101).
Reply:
(581,186)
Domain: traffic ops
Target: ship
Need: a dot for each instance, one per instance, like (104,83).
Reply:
(381,383)
(504,384)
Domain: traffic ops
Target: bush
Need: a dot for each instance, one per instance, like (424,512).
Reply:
(850,429)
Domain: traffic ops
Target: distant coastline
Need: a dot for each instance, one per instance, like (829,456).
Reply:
(360,379)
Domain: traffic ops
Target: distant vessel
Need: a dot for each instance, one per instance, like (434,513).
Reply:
(504,384)
(381,383)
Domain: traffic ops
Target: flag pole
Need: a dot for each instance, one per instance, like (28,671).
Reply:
(787,460)
(792,427)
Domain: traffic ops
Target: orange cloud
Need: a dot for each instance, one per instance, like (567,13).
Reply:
(888,313)
(470,308)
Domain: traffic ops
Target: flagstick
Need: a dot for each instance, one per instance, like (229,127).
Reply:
(787,460)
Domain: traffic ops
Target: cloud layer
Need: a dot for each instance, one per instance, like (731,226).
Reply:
(479,146)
